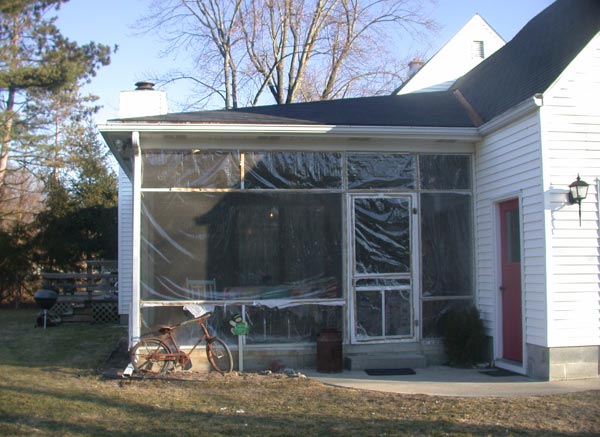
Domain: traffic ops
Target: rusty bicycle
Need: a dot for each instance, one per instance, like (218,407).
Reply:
(161,354)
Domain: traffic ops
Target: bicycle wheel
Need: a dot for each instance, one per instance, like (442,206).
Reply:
(219,355)
(147,356)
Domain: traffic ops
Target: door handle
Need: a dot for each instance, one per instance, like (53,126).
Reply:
(502,288)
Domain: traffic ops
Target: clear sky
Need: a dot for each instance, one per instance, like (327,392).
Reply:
(113,22)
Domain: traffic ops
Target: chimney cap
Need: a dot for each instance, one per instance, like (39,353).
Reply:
(144,85)
(414,66)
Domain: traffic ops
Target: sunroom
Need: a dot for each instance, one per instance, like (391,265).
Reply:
(366,231)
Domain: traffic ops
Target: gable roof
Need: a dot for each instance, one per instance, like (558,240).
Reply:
(455,58)
(533,59)
(524,67)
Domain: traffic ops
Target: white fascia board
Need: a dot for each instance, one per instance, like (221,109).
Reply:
(406,132)
(511,115)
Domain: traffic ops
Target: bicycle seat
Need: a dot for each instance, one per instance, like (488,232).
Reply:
(164,329)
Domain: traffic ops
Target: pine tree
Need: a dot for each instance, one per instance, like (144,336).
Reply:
(34,58)
(80,219)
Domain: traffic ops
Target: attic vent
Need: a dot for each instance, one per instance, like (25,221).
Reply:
(477,50)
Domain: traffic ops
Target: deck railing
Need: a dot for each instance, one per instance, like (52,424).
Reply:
(90,296)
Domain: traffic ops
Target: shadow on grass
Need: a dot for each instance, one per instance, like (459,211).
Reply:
(77,346)
(142,419)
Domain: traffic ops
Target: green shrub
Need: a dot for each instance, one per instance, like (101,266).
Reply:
(463,335)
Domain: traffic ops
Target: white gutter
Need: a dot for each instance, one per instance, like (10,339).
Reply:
(441,133)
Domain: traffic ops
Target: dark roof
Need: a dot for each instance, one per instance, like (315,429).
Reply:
(427,109)
(525,66)
(533,59)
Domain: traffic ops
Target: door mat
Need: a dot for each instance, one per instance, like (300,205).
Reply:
(389,372)
(499,372)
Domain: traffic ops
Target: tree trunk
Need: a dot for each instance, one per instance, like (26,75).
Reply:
(6,136)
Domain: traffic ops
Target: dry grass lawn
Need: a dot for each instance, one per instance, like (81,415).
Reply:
(49,386)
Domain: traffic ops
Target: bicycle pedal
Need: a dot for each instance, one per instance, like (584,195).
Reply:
(187,365)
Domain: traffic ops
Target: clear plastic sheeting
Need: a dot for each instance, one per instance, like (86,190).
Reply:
(445,172)
(298,170)
(155,317)
(383,308)
(381,171)
(261,233)
(446,244)
(382,234)
(240,246)
(189,333)
(190,169)
(369,314)
(298,324)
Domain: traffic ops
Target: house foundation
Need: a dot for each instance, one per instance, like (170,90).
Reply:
(356,357)
(563,363)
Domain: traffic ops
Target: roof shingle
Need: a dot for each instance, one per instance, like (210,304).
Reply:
(533,59)
(432,109)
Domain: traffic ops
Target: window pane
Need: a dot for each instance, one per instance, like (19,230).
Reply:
(243,245)
(445,172)
(295,324)
(395,296)
(369,322)
(189,333)
(398,312)
(513,237)
(382,235)
(381,170)
(186,169)
(293,170)
(446,235)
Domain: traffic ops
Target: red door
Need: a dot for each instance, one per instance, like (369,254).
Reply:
(510,234)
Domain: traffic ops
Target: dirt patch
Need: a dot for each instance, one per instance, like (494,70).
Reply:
(117,361)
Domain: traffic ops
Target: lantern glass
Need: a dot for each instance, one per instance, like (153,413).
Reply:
(579,190)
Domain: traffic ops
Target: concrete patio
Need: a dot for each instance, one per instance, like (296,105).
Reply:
(448,381)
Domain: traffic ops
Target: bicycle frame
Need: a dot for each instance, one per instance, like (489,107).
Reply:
(176,353)
(163,348)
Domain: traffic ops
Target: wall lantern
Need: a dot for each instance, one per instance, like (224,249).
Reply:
(577,192)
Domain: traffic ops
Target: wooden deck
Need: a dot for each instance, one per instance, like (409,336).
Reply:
(86,297)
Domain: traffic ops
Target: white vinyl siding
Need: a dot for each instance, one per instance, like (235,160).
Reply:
(571,146)
(508,165)
(125,231)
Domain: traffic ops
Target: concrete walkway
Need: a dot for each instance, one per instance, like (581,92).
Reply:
(447,381)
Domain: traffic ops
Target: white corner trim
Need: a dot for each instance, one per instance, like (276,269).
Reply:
(134,317)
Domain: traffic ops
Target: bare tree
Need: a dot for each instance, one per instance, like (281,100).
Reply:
(22,199)
(294,50)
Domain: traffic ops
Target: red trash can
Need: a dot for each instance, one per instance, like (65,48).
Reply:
(329,351)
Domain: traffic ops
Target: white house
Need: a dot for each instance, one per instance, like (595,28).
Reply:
(476,41)
(374,215)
